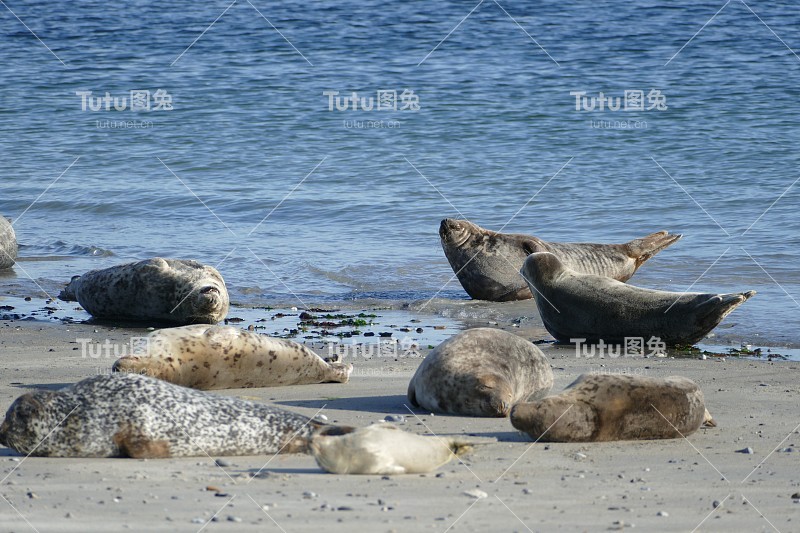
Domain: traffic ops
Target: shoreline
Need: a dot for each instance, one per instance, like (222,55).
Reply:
(667,485)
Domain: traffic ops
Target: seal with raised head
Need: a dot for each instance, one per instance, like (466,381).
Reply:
(591,308)
(162,290)
(384,449)
(226,357)
(128,415)
(8,244)
(480,372)
(487,263)
(605,407)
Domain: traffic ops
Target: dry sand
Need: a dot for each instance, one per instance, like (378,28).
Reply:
(653,486)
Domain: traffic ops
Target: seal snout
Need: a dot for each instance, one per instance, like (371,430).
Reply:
(455,232)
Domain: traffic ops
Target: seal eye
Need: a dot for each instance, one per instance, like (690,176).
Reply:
(209,290)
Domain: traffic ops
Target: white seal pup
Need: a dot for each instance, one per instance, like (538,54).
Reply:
(163,290)
(487,263)
(128,415)
(226,357)
(480,372)
(8,244)
(591,308)
(605,407)
(384,449)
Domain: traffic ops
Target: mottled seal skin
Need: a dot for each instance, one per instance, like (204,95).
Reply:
(480,372)
(584,306)
(128,415)
(163,290)
(603,407)
(384,449)
(8,244)
(226,357)
(487,263)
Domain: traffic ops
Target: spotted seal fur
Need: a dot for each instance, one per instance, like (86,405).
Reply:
(162,290)
(480,372)
(605,407)
(225,357)
(129,415)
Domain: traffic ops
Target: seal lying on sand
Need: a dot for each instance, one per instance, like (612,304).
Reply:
(8,244)
(593,308)
(603,407)
(226,357)
(383,449)
(480,372)
(487,263)
(163,290)
(127,415)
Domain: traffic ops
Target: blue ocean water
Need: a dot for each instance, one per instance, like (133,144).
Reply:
(296,203)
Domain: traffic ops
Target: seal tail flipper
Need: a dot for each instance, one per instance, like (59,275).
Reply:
(340,372)
(717,307)
(412,394)
(640,250)
(708,420)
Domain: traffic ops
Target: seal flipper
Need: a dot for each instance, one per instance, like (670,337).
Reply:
(640,250)
(134,444)
(713,310)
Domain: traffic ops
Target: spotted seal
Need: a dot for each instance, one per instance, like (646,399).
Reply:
(593,308)
(129,415)
(384,449)
(480,372)
(225,357)
(8,244)
(604,407)
(162,290)
(487,263)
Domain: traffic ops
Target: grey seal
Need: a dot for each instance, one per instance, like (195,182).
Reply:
(8,244)
(226,357)
(480,372)
(487,263)
(593,308)
(604,407)
(163,290)
(128,415)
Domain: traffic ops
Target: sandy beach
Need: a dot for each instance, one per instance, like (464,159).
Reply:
(669,485)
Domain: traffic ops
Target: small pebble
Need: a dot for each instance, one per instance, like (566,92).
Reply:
(198,521)
(321,417)
(579,456)
(476,493)
(222,462)
(716,504)
(662,513)
(234,519)
(748,451)
(398,419)
(309,495)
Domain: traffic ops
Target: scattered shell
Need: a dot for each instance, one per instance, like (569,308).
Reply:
(476,493)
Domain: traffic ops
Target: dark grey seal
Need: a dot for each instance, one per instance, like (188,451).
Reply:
(593,308)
